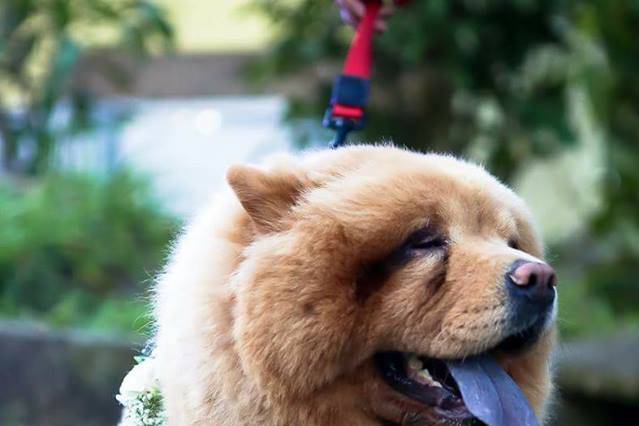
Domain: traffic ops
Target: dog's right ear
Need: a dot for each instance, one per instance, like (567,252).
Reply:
(265,195)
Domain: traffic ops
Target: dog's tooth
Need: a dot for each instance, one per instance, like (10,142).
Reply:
(425,374)
(415,363)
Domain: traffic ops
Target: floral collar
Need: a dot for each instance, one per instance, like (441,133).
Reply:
(140,395)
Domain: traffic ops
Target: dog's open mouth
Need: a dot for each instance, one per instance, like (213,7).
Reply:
(472,391)
(427,381)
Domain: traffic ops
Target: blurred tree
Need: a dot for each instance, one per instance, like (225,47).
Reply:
(494,80)
(614,25)
(40,44)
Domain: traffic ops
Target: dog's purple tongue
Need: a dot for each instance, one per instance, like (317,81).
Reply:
(490,394)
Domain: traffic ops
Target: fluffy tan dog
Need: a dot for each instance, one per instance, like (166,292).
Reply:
(339,288)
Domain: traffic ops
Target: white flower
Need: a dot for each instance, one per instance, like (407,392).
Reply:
(140,379)
(140,396)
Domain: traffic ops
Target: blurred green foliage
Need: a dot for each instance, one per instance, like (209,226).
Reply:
(584,312)
(79,249)
(41,43)
(496,80)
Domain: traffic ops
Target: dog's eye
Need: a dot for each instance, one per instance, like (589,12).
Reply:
(512,243)
(430,242)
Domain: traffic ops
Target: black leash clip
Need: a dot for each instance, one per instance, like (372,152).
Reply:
(345,112)
(342,126)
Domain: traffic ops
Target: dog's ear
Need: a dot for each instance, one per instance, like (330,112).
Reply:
(265,195)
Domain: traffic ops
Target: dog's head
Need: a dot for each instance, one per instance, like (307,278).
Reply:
(370,266)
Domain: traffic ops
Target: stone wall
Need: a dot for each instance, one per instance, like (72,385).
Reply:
(60,378)
(51,378)
(598,382)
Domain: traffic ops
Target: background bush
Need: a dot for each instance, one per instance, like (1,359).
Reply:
(77,249)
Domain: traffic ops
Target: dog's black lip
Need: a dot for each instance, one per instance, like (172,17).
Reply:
(524,338)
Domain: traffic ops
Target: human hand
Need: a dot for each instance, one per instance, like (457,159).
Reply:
(352,11)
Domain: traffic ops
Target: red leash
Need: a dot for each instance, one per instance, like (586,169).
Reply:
(360,55)
(345,112)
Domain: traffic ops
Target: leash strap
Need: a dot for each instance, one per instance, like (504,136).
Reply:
(345,112)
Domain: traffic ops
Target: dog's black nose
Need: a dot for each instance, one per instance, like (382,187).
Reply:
(531,284)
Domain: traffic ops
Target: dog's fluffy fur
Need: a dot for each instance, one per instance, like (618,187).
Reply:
(273,304)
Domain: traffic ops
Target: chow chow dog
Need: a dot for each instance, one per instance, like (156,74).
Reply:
(347,287)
